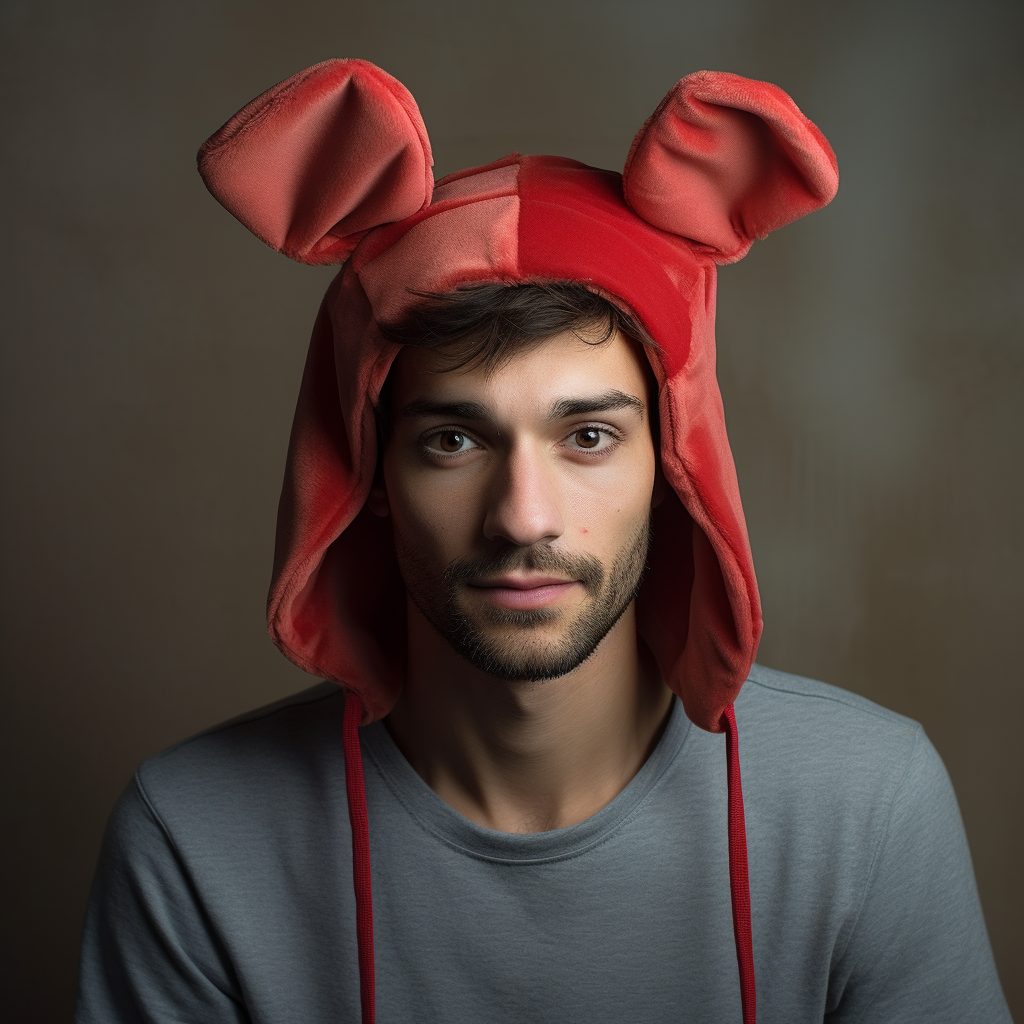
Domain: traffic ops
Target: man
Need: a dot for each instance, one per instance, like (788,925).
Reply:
(511,532)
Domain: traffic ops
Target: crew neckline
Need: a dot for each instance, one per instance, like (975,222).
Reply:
(447,825)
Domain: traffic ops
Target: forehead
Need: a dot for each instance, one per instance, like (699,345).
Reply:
(562,366)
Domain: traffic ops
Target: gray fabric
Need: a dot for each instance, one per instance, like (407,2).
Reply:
(224,889)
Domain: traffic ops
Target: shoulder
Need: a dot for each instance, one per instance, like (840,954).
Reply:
(858,855)
(277,732)
(796,714)
(819,757)
(822,699)
(245,767)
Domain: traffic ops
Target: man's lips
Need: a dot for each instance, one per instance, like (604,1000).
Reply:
(522,592)
(511,582)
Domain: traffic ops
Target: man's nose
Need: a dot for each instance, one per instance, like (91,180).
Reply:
(523,504)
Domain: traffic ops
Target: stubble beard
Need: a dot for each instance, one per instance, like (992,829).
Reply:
(511,649)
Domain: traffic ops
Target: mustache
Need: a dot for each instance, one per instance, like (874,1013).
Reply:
(586,569)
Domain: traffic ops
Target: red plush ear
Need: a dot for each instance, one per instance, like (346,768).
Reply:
(725,160)
(316,162)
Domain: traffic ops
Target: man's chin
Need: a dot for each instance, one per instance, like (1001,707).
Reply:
(510,663)
(522,645)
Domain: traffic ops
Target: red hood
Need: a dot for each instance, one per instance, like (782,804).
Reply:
(334,165)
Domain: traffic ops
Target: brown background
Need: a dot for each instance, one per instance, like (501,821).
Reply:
(870,358)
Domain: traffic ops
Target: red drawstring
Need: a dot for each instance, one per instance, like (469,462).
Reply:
(360,852)
(739,878)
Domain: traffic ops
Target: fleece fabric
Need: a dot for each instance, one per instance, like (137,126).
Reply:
(224,891)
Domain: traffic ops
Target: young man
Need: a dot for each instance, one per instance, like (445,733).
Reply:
(511,532)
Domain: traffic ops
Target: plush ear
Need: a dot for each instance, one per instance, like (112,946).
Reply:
(316,162)
(725,160)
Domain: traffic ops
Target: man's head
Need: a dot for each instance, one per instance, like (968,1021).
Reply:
(519,470)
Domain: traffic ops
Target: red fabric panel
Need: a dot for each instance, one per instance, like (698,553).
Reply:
(491,181)
(337,605)
(431,256)
(575,225)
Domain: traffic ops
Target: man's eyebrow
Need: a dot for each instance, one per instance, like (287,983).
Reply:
(605,402)
(562,409)
(453,410)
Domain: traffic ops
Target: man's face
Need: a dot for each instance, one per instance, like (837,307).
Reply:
(520,499)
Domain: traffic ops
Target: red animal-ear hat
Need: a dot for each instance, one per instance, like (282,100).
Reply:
(334,166)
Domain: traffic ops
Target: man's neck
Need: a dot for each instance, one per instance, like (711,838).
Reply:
(528,756)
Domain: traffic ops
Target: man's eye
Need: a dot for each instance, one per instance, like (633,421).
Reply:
(592,439)
(451,442)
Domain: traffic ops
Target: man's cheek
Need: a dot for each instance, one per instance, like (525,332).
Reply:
(439,532)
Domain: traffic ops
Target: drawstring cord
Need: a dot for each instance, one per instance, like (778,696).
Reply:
(357,816)
(739,880)
(739,877)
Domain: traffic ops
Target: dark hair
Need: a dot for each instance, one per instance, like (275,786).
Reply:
(487,324)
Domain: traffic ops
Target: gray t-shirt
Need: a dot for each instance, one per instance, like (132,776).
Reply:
(224,891)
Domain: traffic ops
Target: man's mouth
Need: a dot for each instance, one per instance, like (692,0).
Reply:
(522,592)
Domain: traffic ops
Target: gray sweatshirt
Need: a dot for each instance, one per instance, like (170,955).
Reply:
(224,891)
